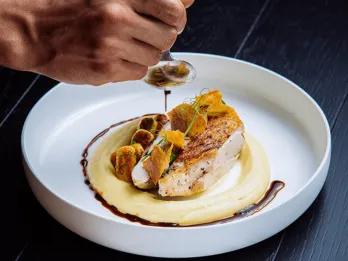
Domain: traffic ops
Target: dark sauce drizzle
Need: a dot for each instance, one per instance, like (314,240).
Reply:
(270,194)
(166,93)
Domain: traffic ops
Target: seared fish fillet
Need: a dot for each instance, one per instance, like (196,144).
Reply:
(205,158)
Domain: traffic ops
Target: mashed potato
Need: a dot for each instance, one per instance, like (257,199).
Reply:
(212,205)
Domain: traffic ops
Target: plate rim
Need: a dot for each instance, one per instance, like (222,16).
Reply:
(325,159)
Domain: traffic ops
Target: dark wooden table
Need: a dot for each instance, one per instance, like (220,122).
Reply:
(304,40)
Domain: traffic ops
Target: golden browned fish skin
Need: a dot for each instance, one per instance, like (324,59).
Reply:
(194,170)
(217,132)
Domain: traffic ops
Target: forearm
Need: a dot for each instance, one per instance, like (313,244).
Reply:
(15,33)
(28,31)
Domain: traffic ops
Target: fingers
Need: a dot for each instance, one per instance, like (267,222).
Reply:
(171,12)
(187,3)
(140,53)
(132,50)
(152,32)
(84,71)
(132,71)
(116,40)
(120,22)
(116,71)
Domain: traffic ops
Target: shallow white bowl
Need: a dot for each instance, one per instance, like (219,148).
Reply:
(287,121)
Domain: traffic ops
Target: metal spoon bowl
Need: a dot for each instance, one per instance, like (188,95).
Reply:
(163,75)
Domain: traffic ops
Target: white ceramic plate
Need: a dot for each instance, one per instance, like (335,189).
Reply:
(289,124)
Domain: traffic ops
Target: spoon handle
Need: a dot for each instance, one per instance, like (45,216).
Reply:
(166,56)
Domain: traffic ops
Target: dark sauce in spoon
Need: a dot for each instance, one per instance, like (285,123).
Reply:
(270,194)
(167,75)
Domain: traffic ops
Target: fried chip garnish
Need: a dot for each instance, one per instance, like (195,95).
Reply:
(144,137)
(181,116)
(158,162)
(139,150)
(199,125)
(219,110)
(176,137)
(187,120)
(126,159)
(210,98)
(211,103)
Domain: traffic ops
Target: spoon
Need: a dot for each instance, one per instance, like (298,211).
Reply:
(170,72)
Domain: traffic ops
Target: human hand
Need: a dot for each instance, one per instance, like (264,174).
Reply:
(88,42)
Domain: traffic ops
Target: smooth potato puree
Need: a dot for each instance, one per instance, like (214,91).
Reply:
(207,207)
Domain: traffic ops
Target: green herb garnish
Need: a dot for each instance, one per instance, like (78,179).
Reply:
(173,157)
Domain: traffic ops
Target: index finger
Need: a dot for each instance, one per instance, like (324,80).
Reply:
(171,12)
(187,3)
